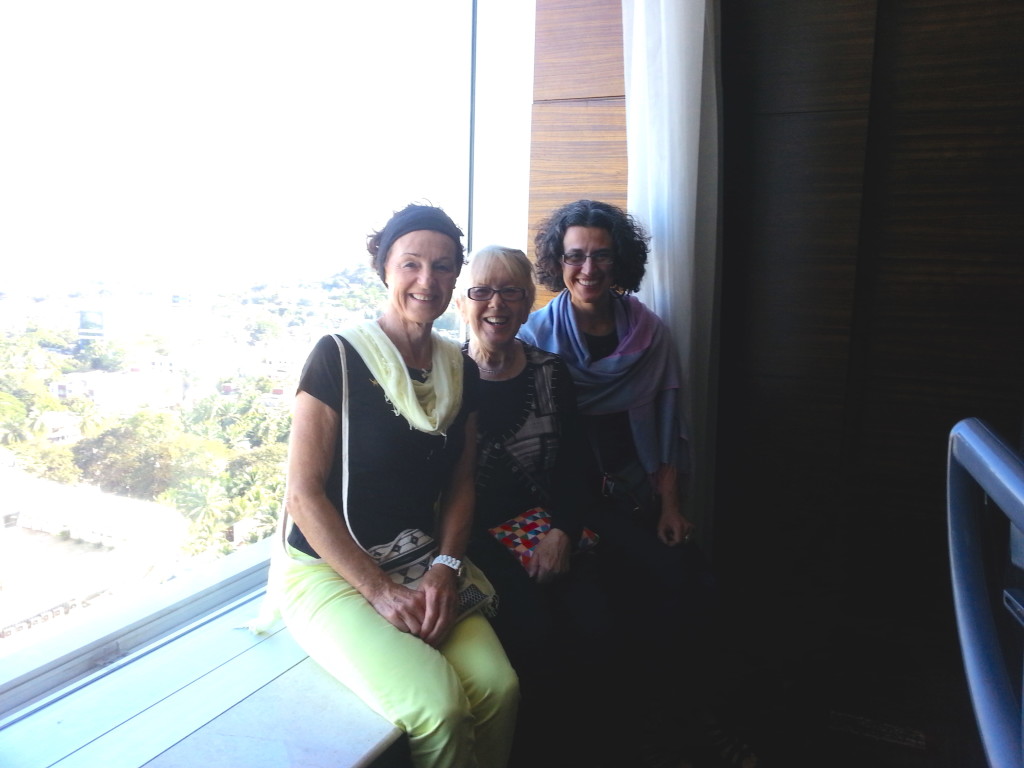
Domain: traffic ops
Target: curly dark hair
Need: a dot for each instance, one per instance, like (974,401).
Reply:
(630,239)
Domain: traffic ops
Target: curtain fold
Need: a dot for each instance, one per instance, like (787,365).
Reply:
(670,50)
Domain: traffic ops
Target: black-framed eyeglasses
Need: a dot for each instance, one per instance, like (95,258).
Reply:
(576,258)
(485,292)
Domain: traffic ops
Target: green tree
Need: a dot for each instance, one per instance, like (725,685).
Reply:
(246,496)
(13,419)
(205,502)
(262,466)
(11,408)
(92,422)
(49,461)
(240,421)
(98,355)
(62,341)
(146,455)
(27,368)
(261,330)
(259,506)
(14,431)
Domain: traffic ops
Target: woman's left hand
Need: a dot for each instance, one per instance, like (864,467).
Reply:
(440,590)
(550,557)
(674,528)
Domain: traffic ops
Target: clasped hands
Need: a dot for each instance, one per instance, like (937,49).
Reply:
(428,611)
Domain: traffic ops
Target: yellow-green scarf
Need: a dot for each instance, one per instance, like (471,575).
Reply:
(429,406)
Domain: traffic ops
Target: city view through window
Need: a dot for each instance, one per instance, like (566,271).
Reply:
(186,199)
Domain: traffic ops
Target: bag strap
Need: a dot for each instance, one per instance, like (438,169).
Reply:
(609,482)
(344,450)
(345,436)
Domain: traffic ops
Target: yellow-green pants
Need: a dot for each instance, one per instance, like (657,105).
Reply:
(456,703)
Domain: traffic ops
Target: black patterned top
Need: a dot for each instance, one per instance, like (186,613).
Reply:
(531,451)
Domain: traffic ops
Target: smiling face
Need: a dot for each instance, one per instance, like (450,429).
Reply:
(420,274)
(590,282)
(494,322)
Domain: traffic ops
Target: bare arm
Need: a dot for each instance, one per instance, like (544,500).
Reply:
(311,454)
(453,529)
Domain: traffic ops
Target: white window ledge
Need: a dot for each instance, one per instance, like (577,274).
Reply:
(211,693)
(98,645)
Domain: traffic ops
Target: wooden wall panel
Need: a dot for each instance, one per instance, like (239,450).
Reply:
(578,143)
(796,90)
(872,296)
(798,241)
(578,151)
(578,50)
(941,318)
(953,55)
(796,56)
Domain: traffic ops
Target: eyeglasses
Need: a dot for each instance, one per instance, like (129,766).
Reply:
(485,292)
(576,258)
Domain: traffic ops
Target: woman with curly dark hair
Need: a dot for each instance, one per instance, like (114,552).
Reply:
(627,376)
(621,354)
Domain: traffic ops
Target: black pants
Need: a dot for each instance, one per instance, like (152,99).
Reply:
(559,638)
(663,599)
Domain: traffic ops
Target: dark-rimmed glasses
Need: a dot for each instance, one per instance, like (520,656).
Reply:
(576,258)
(485,292)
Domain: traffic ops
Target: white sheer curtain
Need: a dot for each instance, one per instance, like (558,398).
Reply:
(672,131)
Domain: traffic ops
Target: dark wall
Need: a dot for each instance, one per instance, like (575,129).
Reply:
(872,296)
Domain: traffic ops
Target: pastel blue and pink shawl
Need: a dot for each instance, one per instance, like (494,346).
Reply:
(641,376)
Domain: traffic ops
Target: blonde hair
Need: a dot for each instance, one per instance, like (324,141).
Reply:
(493,258)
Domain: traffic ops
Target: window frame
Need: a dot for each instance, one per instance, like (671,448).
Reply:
(33,676)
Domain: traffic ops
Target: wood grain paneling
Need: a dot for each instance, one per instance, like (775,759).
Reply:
(578,50)
(578,136)
(797,56)
(800,226)
(578,151)
(941,326)
(873,158)
(953,55)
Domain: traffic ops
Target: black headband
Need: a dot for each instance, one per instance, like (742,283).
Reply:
(410,219)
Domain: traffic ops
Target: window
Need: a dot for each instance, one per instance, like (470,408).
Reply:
(185,195)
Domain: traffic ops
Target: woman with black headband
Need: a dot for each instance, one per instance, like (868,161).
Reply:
(381,444)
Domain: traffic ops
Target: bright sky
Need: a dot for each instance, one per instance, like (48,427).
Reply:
(236,142)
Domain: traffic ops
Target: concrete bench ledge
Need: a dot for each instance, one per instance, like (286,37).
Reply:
(303,718)
(219,696)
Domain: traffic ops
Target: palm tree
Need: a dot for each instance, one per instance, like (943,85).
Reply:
(207,505)
(14,431)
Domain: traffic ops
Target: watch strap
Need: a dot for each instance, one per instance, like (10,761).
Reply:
(452,562)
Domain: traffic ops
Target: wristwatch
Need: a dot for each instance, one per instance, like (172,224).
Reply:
(452,562)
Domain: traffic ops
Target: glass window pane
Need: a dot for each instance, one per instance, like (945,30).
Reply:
(185,194)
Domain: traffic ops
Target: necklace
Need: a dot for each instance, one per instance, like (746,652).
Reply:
(506,364)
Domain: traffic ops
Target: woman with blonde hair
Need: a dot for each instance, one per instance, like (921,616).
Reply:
(531,456)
